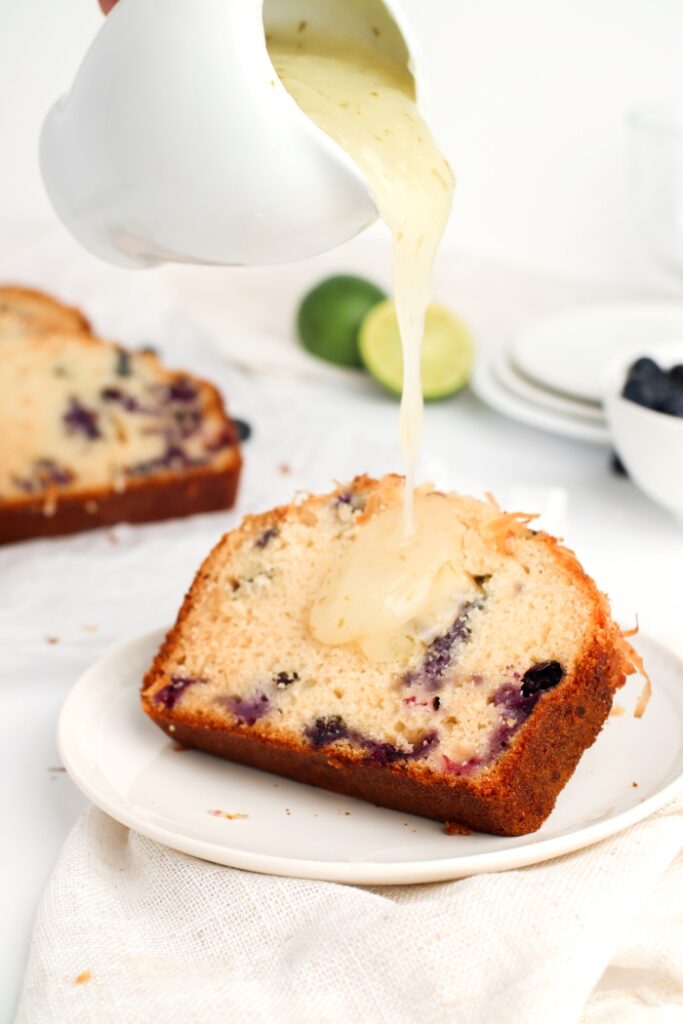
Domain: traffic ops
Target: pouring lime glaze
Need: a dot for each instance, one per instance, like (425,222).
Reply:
(367,104)
(400,568)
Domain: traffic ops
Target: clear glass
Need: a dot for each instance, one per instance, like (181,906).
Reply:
(655,145)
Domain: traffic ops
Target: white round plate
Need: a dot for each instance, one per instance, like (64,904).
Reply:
(509,378)
(130,769)
(490,390)
(569,353)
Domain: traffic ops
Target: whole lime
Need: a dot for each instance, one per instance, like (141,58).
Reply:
(330,315)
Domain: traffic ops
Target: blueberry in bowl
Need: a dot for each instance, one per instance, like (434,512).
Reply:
(643,398)
(655,387)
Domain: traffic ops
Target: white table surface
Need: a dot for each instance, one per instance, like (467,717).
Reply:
(634,550)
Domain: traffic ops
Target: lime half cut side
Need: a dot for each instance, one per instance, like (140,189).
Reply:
(447,350)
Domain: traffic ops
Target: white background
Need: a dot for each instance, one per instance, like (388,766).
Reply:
(528,100)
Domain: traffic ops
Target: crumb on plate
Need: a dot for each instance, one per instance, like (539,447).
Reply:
(454,828)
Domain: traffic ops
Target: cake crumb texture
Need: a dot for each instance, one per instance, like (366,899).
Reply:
(94,433)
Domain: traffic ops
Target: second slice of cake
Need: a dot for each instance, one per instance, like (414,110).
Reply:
(94,434)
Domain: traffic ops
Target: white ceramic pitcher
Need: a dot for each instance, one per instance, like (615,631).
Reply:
(178,143)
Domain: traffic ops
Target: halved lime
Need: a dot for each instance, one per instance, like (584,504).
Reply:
(329,318)
(447,350)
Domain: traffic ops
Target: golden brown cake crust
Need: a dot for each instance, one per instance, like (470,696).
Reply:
(204,489)
(512,797)
(48,314)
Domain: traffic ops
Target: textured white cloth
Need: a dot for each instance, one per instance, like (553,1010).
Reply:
(157,936)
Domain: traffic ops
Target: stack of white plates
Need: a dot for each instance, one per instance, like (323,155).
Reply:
(550,376)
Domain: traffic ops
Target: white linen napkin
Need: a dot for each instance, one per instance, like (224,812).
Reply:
(129,931)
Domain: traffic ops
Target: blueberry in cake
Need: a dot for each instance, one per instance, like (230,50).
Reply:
(93,434)
(462,684)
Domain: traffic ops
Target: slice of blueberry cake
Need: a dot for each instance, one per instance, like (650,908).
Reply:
(93,434)
(460,680)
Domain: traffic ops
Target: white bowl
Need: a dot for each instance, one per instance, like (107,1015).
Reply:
(649,443)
